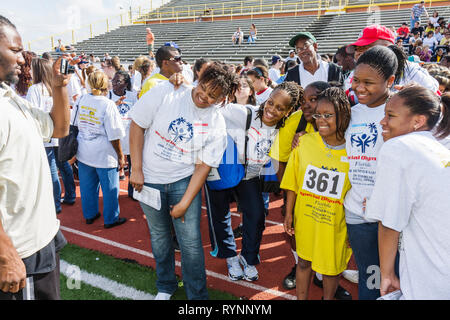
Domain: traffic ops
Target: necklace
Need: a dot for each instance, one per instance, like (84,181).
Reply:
(330,147)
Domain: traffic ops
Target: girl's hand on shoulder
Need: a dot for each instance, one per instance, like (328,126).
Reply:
(296,138)
(177,80)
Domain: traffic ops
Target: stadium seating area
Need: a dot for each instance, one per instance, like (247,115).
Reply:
(212,39)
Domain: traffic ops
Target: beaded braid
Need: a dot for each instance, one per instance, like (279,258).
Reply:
(294,91)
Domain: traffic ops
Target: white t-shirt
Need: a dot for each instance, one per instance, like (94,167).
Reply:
(178,133)
(124,110)
(260,136)
(430,42)
(136,81)
(363,142)
(274,74)
(27,208)
(321,74)
(99,122)
(74,88)
(412,196)
(262,96)
(39,97)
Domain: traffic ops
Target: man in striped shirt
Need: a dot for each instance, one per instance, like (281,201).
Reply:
(416,11)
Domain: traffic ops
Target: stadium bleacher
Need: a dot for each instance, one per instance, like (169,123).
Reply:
(212,39)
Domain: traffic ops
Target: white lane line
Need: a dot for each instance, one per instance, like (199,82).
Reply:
(178,263)
(117,289)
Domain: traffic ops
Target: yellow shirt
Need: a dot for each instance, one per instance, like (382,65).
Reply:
(151,82)
(319,177)
(281,148)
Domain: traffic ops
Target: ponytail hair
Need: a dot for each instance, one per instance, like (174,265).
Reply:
(98,81)
(382,59)
(401,61)
(425,102)
(443,128)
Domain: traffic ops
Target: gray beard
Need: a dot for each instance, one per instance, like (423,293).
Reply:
(11,78)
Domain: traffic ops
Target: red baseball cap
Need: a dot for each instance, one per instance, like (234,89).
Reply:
(373,33)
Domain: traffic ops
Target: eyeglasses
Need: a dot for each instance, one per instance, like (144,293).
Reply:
(326,116)
(305,46)
(117,81)
(176,59)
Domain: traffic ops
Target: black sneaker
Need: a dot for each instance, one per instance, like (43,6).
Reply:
(289,281)
(341,293)
(238,231)
(115,224)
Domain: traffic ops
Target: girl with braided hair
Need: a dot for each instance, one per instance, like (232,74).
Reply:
(265,121)
(316,182)
(176,137)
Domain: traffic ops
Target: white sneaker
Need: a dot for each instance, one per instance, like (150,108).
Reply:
(250,272)
(162,296)
(351,275)
(234,269)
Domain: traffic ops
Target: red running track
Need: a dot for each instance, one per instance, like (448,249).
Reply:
(132,241)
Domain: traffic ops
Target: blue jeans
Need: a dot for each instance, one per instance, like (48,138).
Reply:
(363,239)
(188,236)
(90,181)
(413,21)
(66,174)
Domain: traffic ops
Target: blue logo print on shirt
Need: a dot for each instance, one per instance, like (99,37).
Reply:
(365,140)
(180,130)
(263,148)
(124,108)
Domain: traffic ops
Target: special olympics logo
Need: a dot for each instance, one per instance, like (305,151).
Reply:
(124,108)
(365,140)
(263,148)
(180,130)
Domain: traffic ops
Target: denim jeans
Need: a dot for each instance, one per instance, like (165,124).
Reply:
(363,239)
(66,174)
(90,181)
(188,236)
(413,21)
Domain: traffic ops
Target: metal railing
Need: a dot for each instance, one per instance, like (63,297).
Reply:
(216,10)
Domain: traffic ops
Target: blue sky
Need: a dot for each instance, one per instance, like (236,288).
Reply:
(43,18)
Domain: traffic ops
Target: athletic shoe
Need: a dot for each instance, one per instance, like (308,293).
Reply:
(115,224)
(234,269)
(289,281)
(351,275)
(162,296)
(250,272)
(341,293)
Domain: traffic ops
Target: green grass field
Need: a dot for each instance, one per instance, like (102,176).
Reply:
(130,274)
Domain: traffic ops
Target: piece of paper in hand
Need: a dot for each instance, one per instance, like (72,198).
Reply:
(149,196)
(394,295)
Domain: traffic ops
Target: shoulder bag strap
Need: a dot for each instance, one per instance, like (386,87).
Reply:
(247,126)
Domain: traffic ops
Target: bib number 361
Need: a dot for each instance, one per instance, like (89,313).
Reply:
(324,182)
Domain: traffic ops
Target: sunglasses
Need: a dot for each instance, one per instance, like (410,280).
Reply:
(326,116)
(176,59)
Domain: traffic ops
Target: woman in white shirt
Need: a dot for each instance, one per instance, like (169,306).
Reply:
(124,98)
(40,95)
(176,136)
(262,83)
(411,196)
(430,41)
(99,154)
(375,73)
(265,122)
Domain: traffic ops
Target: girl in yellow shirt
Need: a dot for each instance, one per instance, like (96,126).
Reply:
(316,182)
